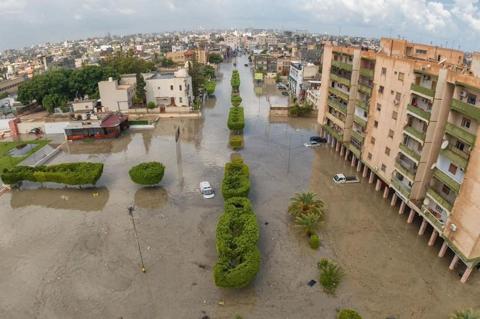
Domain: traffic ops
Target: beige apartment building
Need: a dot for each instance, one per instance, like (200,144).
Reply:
(407,116)
(181,57)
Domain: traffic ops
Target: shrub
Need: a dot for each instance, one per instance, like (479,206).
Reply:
(236,242)
(300,110)
(330,275)
(235,80)
(236,181)
(148,173)
(466,314)
(236,142)
(210,87)
(236,119)
(80,173)
(236,100)
(314,241)
(348,314)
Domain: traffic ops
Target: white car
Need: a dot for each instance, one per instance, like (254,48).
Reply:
(206,190)
(312,144)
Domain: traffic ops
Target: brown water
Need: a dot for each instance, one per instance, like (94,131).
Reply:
(72,253)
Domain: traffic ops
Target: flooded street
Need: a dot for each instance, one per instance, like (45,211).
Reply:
(68,253)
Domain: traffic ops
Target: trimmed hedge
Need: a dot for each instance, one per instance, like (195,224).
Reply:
(236,100)
(236,242)
(210,86)
(236,142)
(80,173)
(236,119)
(148,173)
(236,182)
(235,80)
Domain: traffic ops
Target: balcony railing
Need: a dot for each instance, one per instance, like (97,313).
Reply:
(409,152)
(333,132)
(422,90)
(419,113)
(434,221)
(402,188)
(447,180)
(460,133)
(407,172)
(342,65)
(364,89)
(355,150)
(416,134)
(466,109)
(455,158)
(337,105)
(362,104)
(360,121)
(338,93)
(366,72)
(339,79)
(439,199)
(358,136)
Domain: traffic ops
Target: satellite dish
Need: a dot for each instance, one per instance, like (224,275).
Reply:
(426,201)
(444,144)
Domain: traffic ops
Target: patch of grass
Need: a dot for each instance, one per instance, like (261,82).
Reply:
(7,161)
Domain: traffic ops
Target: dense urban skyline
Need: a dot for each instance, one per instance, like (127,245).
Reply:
(447,23)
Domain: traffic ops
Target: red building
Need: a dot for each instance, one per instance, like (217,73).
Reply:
(110,126)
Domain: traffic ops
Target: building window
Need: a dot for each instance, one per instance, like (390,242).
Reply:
(466,122)
(387,151)
(375,124)
(380,89)
(445,189)
(171,87)
(390,133)
(394,115)
(401,76)
(369,156)
(180,100)
(158,88)
(420,51)
(452,169)
(384,71)
(379,107)
(398,96)
(460,146)
(383,168)
(372,140)
(180,87)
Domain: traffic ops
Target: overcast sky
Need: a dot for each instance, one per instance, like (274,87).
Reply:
(454,23)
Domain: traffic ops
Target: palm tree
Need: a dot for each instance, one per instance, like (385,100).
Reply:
(306,203)
(465,314)
(309,222)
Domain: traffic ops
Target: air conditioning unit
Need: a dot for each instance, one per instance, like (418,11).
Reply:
(453,227)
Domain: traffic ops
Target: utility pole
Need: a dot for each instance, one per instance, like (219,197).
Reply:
(130,212)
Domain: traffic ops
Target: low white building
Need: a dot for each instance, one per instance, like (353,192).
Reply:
(115,96)
(169,89)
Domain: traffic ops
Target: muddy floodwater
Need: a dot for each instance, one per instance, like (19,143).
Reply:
(71,253)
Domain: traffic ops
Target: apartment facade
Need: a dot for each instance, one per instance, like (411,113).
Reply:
(169,89)
(116,97)
(407,117)
(298,76)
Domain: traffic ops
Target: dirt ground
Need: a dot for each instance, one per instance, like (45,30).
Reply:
(72,253)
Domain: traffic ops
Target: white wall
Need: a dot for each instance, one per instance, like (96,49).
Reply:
(4,124)
(55,127)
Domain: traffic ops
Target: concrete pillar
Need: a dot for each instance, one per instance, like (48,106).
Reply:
(394,199)
(423,226)
(378,185)
(371,178)
(386,191)
(352,164)
(365,170)
(411,216)
(332,142)
(342,150)
(466,274)
(337,147)
(443,250)
(454,262)
(433,238)
(346,153)
(359,165)
(402,208)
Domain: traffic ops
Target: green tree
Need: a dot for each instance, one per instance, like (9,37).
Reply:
(215,58)
(306,203)
(140,88)
(348,314)
(51,101)
(167,63)
(465,314)
(151,105)
(148,173)
(308,222)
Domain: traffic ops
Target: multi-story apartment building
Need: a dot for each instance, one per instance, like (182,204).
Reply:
(265,63)
(299,75)
(408,116)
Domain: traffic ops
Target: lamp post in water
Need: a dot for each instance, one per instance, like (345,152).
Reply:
(131,208)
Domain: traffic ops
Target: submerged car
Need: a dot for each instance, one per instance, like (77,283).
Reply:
(318,139)
(207,190)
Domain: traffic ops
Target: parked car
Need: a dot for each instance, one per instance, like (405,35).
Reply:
(246,64)
(312,144)
(206,190)
(342,179)
(284,93)
(318,139)
(281,86)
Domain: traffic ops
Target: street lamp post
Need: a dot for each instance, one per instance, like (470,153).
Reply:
(130,212)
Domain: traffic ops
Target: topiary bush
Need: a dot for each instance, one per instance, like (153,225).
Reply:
(148,173)
(236,182)
(209,86)
(236,100)
(236,242)
(348,314)
(235,81)
(236,142)
(314,241)
(80,173)
(236,119)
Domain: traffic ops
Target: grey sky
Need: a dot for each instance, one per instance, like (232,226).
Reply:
(455,23)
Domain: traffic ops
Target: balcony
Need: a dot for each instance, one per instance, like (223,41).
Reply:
(358,136)
(436,197)
(418,113)
(405,170)
(401,187)
(432,218)
(364,89)
(355,150)
(338,93)
(460,134)
(410,153)
(337,135)
(339,79)
(342,65)
(466,109)
(455,158)
(423,90)
(368,73)
(360,121)
(337,106)
(447,180)
(414,133)
(362,104)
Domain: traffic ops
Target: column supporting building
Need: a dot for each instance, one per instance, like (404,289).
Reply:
(466,274)
(386,191)
(359,165)
(402,207)
(352,164)
(378,185)
(342,150)
(443,250)
(394,199)
(371,178)
(423,226)
(411,216)
(454,262)
(365,171)
(433,238)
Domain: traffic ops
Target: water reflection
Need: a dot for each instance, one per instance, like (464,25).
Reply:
(71,199)
(151,197)
(210,102)
(106,146)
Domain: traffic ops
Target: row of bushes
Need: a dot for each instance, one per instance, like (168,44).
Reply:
(236,119)
(236,100)
(236,142)
(80,173)
(235,80)
(236,182)
(236,243)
